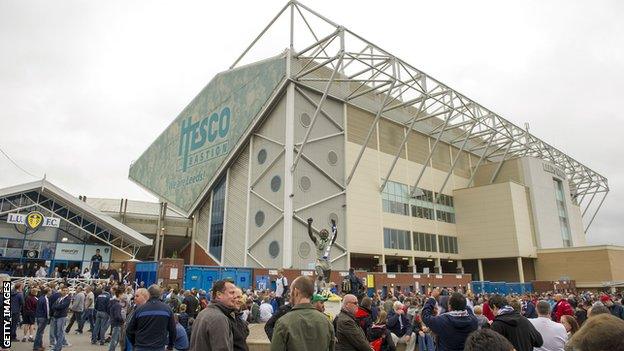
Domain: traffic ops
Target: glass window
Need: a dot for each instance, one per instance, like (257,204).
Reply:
(395,198)
(562,213)
(448,244)
(215,241)
(397,239)
(424,242)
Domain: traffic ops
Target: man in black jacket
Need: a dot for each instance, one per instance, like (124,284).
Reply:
(147,330)
(59,311)
(192,304)
(116,318)
(513,326)
(101,316)
(452,327)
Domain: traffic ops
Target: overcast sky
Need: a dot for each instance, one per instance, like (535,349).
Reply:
(86,86)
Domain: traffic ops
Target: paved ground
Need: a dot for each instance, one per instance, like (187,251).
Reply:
(83,342)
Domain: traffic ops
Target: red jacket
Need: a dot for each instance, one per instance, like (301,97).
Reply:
(363,318)
(487,312)
(562,307)
(31,305)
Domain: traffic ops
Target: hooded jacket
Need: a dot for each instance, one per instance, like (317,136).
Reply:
(452,327)
(377,331)
(363,317)
(561,308)
(518,330)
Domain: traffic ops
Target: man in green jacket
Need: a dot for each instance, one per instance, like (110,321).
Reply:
(304,328)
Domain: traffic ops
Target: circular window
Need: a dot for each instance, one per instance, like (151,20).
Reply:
(274,249)
(259,218)
(276,183)
(305,183)
(332,158)
(334,217)
(304,250)
(305,120)
(262,155)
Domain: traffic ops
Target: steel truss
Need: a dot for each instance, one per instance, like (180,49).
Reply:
(342,64)
(31,200)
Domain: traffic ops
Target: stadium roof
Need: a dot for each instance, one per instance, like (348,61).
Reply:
(52,200)
(341,64)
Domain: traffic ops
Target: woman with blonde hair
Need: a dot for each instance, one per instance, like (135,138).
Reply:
(570,324)
(378,335)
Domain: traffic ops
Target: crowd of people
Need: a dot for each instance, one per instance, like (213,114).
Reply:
(128,316)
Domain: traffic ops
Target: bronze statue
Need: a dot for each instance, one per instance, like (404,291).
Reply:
(323,245)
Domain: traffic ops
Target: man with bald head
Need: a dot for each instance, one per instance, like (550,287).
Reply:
(304,328)
(148,327)
(348,332)
(141,296)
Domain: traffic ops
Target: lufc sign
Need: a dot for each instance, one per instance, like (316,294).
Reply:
(33,220)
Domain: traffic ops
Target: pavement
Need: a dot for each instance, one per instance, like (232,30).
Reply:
(257,341)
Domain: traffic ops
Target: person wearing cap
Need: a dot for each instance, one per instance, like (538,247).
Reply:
(616,310)
(303,328)
(318,301)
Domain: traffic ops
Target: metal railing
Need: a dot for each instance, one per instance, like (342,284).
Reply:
(72,283)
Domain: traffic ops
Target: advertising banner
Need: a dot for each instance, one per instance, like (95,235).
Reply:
(185,157)
(69,252)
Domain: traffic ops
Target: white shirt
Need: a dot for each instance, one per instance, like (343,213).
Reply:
(553,333)
(266,311)
(41,273)
(279,286)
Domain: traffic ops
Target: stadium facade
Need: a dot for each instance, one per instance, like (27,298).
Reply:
(419,177)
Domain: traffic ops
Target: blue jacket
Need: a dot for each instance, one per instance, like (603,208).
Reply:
(102,302)
(149,325)
(42,308)
(394,325)
(52,299)
(60,307)
(452,329)
(17,301)
(181,341)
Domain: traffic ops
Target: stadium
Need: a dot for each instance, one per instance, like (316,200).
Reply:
(419,178)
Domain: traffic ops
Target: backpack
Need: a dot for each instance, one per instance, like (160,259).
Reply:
(346,285)
(376,344)
(376,336)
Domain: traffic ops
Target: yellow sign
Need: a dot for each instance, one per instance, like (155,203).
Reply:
(34,220)
(370,281)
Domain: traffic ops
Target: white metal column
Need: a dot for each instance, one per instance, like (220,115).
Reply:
(480,264)
(289,147)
